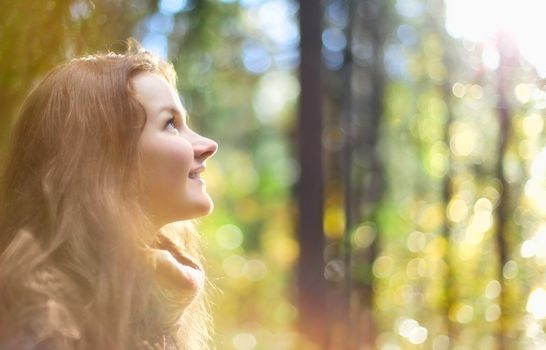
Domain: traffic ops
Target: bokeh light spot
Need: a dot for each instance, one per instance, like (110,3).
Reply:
(417,241)
(244,341)
(383,266)
(363,236)
(492,313)
(458,90)
(533,125)
(536,304)
(441,342)
(334,39)
(510,269)
(476,91)
(171,7)
(235,266)
(493,289)
(523,92)
(461,313)
(457,210)
(229,237)
(463,143)
(256,269)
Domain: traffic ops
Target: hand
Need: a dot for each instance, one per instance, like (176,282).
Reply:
(179,276)
(176,273)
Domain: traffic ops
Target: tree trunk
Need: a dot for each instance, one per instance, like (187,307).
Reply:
(312,304)
(507,53)
(365,173)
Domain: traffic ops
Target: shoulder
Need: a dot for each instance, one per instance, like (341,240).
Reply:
(36,313)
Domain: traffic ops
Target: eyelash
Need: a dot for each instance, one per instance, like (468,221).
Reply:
(171,122)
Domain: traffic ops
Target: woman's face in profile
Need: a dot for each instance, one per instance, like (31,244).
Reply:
(172,155)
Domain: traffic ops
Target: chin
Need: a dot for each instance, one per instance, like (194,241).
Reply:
(198,208)
(188,210)
(204,208)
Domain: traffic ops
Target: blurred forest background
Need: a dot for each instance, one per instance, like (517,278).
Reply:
(381,179)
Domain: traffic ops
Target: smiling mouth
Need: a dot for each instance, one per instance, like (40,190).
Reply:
(196,173)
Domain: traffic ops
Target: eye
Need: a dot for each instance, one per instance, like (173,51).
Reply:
(170,126)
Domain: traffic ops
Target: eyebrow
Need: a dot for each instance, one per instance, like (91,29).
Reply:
(174,110)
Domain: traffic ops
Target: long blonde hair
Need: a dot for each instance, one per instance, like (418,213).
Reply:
(70,218)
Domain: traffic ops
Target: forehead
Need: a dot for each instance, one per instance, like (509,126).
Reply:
(154,92)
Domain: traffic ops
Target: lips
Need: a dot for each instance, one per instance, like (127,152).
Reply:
(196,173)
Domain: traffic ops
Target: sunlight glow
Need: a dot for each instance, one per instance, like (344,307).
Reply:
(482,20)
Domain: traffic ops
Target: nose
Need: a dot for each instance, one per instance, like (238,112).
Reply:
(204,148)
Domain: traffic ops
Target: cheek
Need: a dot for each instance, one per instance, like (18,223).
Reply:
(166,165)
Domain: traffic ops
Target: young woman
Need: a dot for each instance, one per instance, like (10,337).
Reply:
(98,182)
